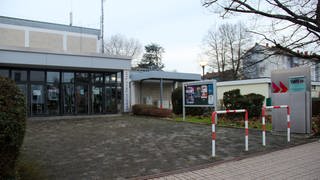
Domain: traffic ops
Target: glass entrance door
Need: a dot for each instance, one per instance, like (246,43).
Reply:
(37,99)
(97,100)
(82,99)
(68,98)
(111,99)
(53,99)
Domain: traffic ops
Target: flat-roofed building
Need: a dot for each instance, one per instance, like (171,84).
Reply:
(60,70)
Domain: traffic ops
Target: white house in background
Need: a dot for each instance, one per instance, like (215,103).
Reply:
(260,60)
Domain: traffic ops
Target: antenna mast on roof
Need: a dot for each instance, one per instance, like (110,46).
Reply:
(70,14)
(101,27)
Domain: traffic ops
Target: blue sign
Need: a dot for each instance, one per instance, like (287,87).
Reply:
(297,84)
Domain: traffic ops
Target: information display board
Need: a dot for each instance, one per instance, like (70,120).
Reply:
(199,94)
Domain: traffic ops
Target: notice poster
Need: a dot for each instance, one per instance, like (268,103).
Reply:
(204,92)
(36,92)
(190,95)
(210,99)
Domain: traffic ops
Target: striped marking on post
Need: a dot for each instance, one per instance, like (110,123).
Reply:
(213,126)
(264,121)
(213,122)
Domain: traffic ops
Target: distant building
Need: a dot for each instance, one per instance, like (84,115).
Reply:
(60,70)
(260,61)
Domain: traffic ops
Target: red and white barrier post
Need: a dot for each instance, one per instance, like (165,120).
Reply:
(213,135)
(264,121)
(213,121)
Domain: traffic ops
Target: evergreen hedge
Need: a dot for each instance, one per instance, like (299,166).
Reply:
(12,127)
(252,102)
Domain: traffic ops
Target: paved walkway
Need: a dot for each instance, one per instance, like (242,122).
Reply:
(300,162)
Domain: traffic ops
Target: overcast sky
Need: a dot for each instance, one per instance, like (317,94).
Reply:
(177,25)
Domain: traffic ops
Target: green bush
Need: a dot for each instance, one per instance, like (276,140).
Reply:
(176,98)
(233,99)
(252,102)
(12,126)
(150,110)
(316,125)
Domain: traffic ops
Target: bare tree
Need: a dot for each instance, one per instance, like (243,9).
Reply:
(225,48)
(298,21)
(119,45)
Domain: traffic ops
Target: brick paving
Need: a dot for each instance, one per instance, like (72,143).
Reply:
(129,146)
(300,162)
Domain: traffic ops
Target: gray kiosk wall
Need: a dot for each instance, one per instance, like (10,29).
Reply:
(298,97)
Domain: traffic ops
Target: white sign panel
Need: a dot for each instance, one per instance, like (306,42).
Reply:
(126,91)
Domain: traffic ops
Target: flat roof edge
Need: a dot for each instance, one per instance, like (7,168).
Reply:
(242,82)
(32,50)
(48,25)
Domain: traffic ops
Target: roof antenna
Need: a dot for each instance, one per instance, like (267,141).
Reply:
(101,27)
(70,15)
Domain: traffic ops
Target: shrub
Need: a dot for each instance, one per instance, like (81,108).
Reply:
(233,99)
(150,110)
(252,102)
(176,98)
(316,125)
(12,126)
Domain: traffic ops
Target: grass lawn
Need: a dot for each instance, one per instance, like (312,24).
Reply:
(226,122)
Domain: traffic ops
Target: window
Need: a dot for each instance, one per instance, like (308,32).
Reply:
(119,77)
(82,77)
(111,78)
(53,77)
(18,75)
(37,76)
(67,77)
(97,77)
(4,72)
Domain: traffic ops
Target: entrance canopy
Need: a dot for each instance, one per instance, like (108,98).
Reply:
(144,87)
(176,76)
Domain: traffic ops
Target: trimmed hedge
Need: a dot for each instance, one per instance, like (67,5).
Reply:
(176,98)
(12,127)
(150,110)
(252,102)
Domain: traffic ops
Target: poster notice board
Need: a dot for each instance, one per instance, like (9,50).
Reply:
(199,94)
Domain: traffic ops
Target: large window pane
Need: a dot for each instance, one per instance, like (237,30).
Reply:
(111,103)
(18,75)
(119,98)
(97,99)
(67,77)
(82,99)
(37,76)
(68,98)
(37,99)
(4,72)
(53,77)
(111,78)
(119,77)
(97,78)
(82,77)
(53,99)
